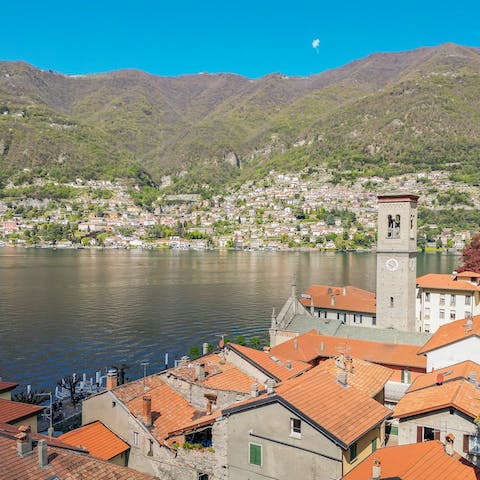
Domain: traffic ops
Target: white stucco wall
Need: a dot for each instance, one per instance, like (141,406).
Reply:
(467,349)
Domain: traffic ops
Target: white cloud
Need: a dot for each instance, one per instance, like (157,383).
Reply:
(316,44)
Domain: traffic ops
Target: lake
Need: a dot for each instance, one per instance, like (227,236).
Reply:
(65,311)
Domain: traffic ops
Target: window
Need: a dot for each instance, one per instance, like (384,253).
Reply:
(135,438)
(425,434)
(202,476)
(452,314)
(374,320)
(427,296)
(427,313)
(393,226)
(352,452)
(374,445)
(406,376)
(442,299)
(468,299)
(341,316)
(255,454)
(391,302)
(295,427)
(442,314)
(471,444)
(323,314)
(426,328)
(357,318)
(452,300)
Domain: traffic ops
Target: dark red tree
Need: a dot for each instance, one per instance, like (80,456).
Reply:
(471,256)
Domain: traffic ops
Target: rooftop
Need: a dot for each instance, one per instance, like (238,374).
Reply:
(340,298)
(329,407)
(452,332)
(425,461)
(445,281)
(97,439)
(313,345)
(13,412)
(7,386)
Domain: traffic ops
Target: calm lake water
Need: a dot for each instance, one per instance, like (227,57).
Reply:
(68,311)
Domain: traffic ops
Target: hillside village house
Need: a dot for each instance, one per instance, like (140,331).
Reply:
(443,298)
(18,414)
(441,403)
(453,343)
(6,390)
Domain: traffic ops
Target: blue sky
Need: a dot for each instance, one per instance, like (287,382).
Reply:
(248,37)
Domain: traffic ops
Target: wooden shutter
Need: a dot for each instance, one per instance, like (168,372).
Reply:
(436,434)
(466,442)
(419,434)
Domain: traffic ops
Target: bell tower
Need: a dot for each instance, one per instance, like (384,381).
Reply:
(396,261)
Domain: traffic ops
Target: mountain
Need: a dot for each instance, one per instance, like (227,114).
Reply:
(381,115)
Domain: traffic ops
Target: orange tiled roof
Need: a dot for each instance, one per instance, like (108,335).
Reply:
(459,394)
(367,377)
(468,274)
(417,461)
(449,374)
(274,366)
(450,333)
(170,411)
(63,463)
(220,375)
(444,281)
(311,345)
(7,386)
(13,412)
(335,409)
(346,298)
(97,439)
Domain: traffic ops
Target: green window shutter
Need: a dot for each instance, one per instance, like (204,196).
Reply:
(255,454)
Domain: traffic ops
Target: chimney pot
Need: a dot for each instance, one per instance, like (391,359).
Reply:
(254,390)
(376,470)
(112,379)
(449,439)
(205,348)
(440,378)
(270,386)
(344,291)
(42,453)
(184,361)
(147,410)
(342,378)
(199,372)
(332,300)
(24,440)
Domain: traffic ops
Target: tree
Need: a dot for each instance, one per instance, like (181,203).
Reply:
(471,256)
(194,352)
(70,383)
(31,397)
(256,343)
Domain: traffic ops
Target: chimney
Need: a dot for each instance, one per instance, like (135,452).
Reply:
(288,364)
(266,348)
(205,348)
(472,377)
(454,275)
(183,361)
(449,444)
(344,291)
(199,372)
(295,343)
(270,386)
(322,346)
(24,440)
(342,378)
(254,390)
(210,398)
(42,453)
(332,300)
(440,378)
(376,469)
(112,379)
(209,406)
(147,410)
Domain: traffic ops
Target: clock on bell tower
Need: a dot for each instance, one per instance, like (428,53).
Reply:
(396,261)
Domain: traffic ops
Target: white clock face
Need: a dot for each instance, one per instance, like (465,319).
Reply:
(391,264)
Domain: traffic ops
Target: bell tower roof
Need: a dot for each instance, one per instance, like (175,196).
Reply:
(397,197)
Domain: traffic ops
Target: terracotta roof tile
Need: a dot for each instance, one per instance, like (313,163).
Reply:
(7,386)
(367,377)
(443,281)
(311,345)
(346,298)
(417,461)
(11,411)
(64,464)
(275,366)
(459,394)
(336,409)
(450,333)
(97,439)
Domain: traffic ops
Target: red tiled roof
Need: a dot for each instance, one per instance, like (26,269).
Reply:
(312,345)
(7,386)
(63,464)
(275,366)
(450,333)
(468,274)
(367,377)
(417,461)
(444,281)
(459,394)
(12,412)
(345,298)
(97,439)
(344,413)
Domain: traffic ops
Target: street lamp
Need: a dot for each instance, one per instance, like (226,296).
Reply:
(49,394)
